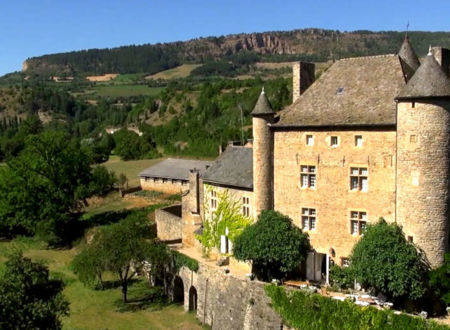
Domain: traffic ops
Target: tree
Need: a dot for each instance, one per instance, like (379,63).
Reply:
(384,260)
(45,187)
(29,297)
(117,248)
(273,244)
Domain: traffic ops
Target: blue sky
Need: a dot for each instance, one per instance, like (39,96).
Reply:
(36,27)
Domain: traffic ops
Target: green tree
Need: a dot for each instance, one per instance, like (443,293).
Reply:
(29,297)
(118,248)
(43,188)
(384,260)
(440,280)
(273,244)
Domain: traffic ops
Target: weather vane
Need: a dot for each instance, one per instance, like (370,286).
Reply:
(407,28)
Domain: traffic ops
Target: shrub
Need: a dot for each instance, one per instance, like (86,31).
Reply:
(341,277)
(273,244)
(440,280)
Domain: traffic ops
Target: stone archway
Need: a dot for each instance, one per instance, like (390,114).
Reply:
(178,290)
(192,299)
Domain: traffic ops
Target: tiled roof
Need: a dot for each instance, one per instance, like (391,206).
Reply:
(174,168)
(355,91)
(234,167)
(410,60)
(428,81)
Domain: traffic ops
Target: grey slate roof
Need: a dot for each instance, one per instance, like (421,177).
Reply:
(174,168)
(428,81)
(262,106)
(410,60)
(234,167)
(354,91)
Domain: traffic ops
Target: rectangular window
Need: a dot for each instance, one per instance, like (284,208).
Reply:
(345,262)
(308,219)
(334,141)
(358,222)
(213,198)
(246,206)
(308,176)
(359,178)
(309,140)
(358,141)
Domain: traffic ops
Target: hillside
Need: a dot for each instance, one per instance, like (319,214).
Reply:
(308,44)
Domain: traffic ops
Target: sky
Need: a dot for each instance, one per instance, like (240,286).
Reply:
(36,27)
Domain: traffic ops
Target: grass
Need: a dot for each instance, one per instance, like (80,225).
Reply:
(130,168)
(126,90)
(110,203)
(181,71)
(96,309)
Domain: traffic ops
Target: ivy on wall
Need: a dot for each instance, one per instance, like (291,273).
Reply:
(303,310)
(227,215)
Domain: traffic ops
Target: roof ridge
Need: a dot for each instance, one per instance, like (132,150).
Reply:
(366,57)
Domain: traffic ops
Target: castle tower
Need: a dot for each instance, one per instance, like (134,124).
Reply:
(410,61)
(263,115)
(423,171)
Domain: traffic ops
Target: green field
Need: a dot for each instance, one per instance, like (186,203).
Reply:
(181,71)
(125,90)
(97,309)
(130,168)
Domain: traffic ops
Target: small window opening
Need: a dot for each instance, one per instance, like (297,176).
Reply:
(413,138)
(358,140)
(410,239)
(334,141)
(309,140)
(413,104)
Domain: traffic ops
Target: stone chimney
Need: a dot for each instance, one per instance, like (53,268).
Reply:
(442,56)
(194,190)
(303,75)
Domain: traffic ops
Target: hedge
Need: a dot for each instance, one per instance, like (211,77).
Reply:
(303,310)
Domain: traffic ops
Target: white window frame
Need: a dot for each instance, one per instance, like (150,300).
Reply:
(359,175)
(310,216)
(360,219)
(246,206)
(308,176)
(213,200)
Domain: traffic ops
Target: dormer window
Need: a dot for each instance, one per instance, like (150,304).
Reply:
(340,91)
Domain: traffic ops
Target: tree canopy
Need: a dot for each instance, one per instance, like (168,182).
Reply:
(384,260)
(29,297)
(273,244)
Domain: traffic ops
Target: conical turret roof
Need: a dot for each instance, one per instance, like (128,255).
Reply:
(428,81)
(408,55)
(262,106)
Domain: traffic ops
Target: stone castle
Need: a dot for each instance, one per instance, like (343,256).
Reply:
(369,139)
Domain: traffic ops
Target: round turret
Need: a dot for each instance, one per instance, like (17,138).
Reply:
(423,146)
(263,116)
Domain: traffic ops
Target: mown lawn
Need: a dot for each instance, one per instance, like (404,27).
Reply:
(103,309)
(130,168)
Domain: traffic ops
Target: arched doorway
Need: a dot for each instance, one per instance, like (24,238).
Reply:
(192,299)
(178,290)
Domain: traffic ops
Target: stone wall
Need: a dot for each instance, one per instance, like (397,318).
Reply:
(227,302)
(423,175)
(168,223)
(332,197)
(167,186)
(303,75)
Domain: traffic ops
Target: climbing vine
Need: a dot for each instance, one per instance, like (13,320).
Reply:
(227,215)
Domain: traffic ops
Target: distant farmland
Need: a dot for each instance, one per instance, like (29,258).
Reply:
(126,90)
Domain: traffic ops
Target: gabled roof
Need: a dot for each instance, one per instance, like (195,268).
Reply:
(410,60)
(262,106)
(354,91)
(234,167)
(174,168)
(428,81)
